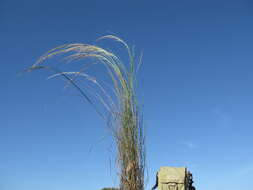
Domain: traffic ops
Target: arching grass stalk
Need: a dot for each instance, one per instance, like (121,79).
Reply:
(125,116)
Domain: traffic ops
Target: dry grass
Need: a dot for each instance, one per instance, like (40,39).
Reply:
(125,116)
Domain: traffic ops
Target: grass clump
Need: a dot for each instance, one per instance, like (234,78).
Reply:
(123,114)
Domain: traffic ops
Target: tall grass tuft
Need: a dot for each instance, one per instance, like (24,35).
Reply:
(125,116)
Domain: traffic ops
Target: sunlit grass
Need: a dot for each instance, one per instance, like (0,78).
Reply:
(121,104)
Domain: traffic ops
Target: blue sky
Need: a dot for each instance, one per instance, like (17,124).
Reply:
(196,87)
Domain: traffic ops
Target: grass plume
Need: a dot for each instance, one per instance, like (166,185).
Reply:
(125,116)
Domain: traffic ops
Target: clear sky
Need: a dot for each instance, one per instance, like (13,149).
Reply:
(196,85)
